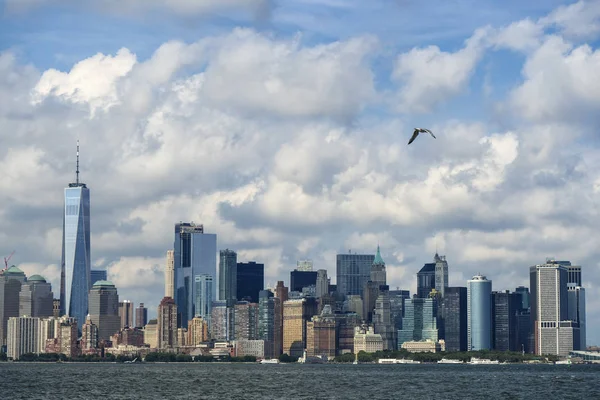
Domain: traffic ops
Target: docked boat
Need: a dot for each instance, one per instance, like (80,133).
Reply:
(449,361)
(563,362)
(397,361)
(483,361)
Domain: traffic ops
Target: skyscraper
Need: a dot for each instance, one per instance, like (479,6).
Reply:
(203,300)
(141,316)
(104,309)
(228,276)
(75,265)
(425,280)
(352,272)
(455,318)
(576,302)
(553,333)
(420,321)
(97,275)
(126,313)
(504,316)
(302,279)
(10,288)
(195,253)
(250,280)
(322,284)
(378,274)
(479,313)
(170,275)
(441,274)
(36,298)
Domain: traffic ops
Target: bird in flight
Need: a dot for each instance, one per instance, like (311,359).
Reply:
(416,133)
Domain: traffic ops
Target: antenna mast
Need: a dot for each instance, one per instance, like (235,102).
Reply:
(77,171)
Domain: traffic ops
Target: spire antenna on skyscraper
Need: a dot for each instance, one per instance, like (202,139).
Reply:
(77,170)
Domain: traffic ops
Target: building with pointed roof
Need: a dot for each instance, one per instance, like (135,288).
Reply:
(378,274)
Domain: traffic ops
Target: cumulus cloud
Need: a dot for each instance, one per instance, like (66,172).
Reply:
(580,20)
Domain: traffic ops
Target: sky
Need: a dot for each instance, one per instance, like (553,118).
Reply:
(282,126)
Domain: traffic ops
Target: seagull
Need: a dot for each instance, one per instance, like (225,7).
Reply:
(416,133)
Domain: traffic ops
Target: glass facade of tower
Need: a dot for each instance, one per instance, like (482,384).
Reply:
(455,318)
(75,266)
(353,271)
(479,314)
(203,300)
(228,276)
(250,280)
(195,253)
(420,321)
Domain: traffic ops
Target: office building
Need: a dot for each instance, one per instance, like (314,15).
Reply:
(304,265)
(321,334)
(454,314)
(441,274)
(104,309)
(302,279)
(553,333)
(126,314)
(11,280)
(75,279)
(479,314)
(576,313)
(378,273)
(524,293)
(246,321)
(420,320)
(228,276)
(97,275)
(222,326)
(170,274)
(425,280)
(269,323)
(195,253)
(22,336)
(296,313)
(203,301)
(353,271)
(141,316)
(504,318)
(36,298)
(382,320)
(365,339)
(250,281)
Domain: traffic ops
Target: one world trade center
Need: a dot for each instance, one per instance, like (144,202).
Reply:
(75,264)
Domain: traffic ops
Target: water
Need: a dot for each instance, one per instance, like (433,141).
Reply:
(294,381)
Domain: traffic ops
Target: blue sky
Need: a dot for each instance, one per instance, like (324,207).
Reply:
(290,150)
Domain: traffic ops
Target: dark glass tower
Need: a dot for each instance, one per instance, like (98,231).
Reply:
(301,279)
(425,280)
(353,271)
(250,281)
(504,318)
(75,280)
(455,318)
(228,276)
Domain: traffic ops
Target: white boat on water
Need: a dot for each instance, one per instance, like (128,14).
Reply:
(449,361)
(270,361)
(397,361)
(483,361)
(563,362)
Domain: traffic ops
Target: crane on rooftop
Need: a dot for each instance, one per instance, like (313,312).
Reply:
(7,259)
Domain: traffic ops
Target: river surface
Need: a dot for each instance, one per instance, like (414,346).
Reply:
(293,381)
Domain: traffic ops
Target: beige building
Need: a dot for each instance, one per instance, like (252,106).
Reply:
(197,332)
(423,346)
(22,336)
(170,275)
(296,313)
(151,334)
(89,335)
(365,339)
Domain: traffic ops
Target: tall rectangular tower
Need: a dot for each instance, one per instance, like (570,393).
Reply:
(353,271)
(75,280)
(194,253)
(228,276)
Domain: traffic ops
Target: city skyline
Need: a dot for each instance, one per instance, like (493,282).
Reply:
(300,152)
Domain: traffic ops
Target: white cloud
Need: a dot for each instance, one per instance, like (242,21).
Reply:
(429,75)
(525,35)
(579,20)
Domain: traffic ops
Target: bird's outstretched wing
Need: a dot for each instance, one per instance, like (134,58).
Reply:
(431,133)
(414,136)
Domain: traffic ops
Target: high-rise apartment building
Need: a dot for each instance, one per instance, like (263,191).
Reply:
(141,316)
(104,309)
(22,336)
(11,280)
(89,335)
(195,253)
(222,323)
(246,321)
(454,313)
(170,275)
(479,314)
(75,279)
(296,313)
(36,298)
(269,323)
(228,276)
(553,332)
(353,271)
(167,323)
(126,314)
(250,281)
(321,334)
